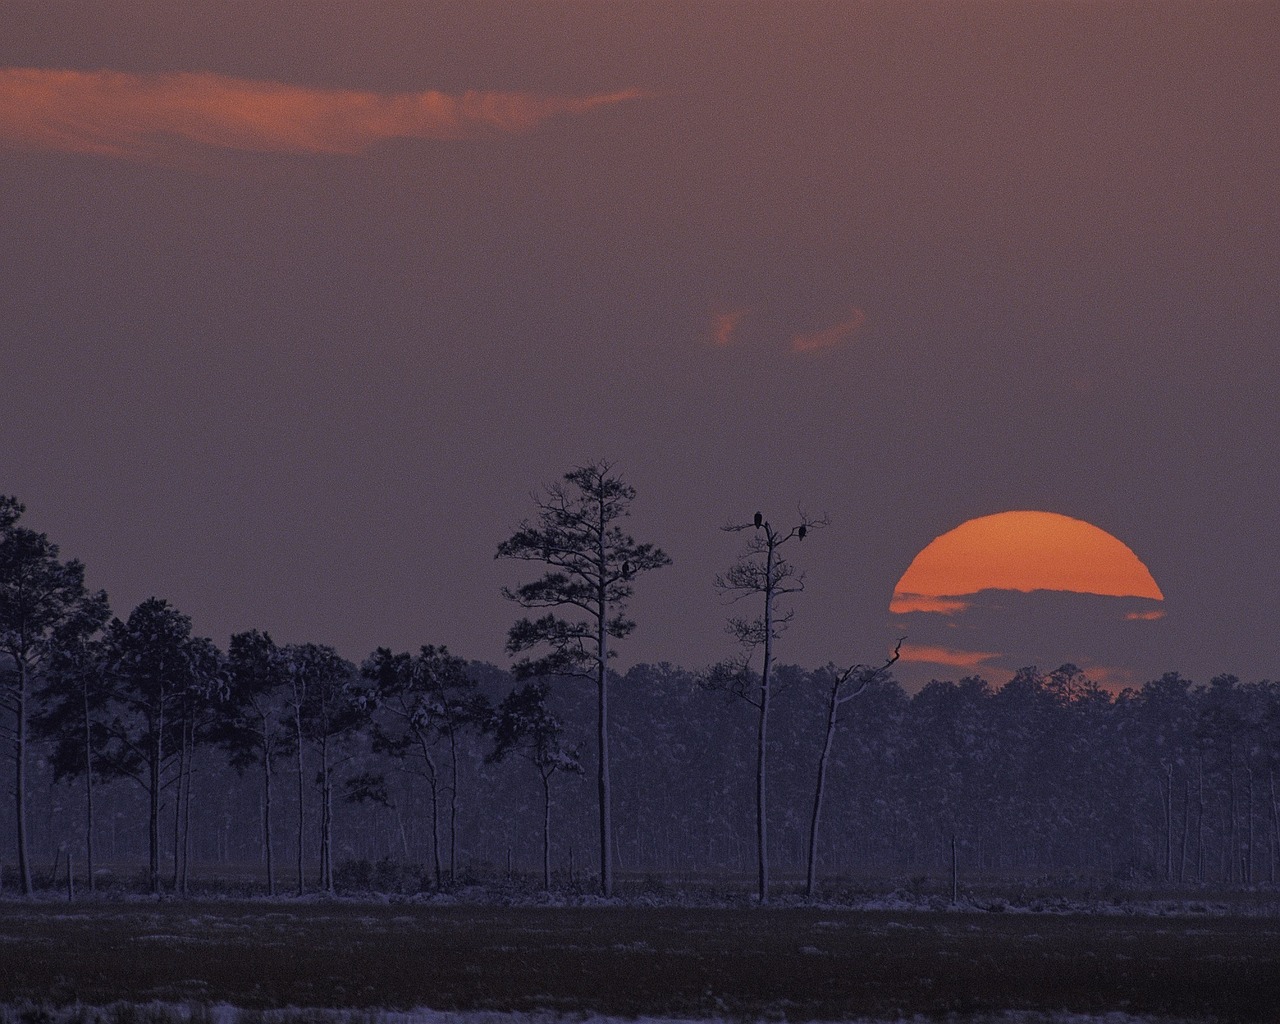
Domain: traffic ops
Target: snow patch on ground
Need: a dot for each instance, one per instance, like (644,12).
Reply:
(221,1013)
(1259,903)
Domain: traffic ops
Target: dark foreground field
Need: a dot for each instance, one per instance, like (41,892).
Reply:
(799,964)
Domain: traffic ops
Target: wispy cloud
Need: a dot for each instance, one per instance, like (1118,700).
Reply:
(945,656)
(903,604)
(1147,616)
(829,337)
(724,325)
(113,113)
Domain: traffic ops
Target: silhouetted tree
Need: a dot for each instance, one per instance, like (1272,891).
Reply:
(760,571)
(1220,728)
(1160,738)
(39,596)
(842,687)
(420,701)
(155,668)
(253,727)
(199,710)
(524,724)
(323,707)
(590,565)
(74,699)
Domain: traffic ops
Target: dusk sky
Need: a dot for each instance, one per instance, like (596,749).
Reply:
(301,301)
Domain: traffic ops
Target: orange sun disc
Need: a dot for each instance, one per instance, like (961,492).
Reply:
(1023,551)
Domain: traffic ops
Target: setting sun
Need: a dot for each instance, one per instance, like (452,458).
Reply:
(1023,551)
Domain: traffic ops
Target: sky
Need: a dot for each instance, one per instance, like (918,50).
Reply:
(302,302)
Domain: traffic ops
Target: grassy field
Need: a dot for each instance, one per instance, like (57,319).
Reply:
(797,964)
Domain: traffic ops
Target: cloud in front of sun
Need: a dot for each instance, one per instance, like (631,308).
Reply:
(1038,587)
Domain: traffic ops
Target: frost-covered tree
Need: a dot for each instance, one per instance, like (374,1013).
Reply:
(523,724)
(322,706)
(40,596)
(421,702)
(590,567)
(761,573)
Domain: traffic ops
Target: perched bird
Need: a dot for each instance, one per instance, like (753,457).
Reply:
(802,531)
(759,520)
(626,570)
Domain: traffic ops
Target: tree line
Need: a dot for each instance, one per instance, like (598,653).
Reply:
(826,772)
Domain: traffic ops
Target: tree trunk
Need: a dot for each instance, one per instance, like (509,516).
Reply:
(811,878)
(177,803)
(186,813)
(404,838)
(326,813)
(603,785)
(1186,827)
(1273,833)
(1233,835)
(20,777)
(302,822)
(955,872)
(453,808)
(762,839)
(1200,819)
(88,788)
(1248,864)
(328,827)
(762,732)
(266,812)
(546,832)
(436,871)
(433,780)
(155,761)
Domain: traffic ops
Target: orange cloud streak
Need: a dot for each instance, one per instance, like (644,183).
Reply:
(1150,616)
(902,604)
(113,113)
(723,326)
(829,337)
(945,656)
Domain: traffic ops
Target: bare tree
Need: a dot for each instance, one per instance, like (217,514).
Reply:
(843,687)
(590,565)
(762,572)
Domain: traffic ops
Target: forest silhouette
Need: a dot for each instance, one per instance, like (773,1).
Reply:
(145,757)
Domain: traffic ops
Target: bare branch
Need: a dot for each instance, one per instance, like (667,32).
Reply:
(864,675)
